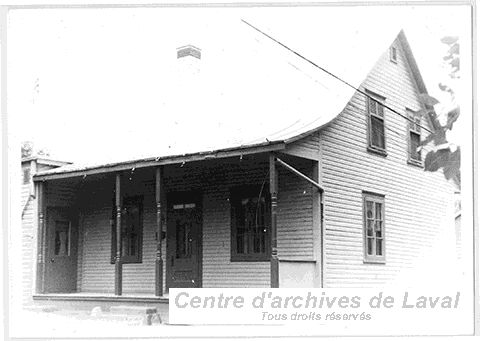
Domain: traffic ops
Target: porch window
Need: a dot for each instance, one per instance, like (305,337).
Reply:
(376,125)
(131,230)
(374,227)
(414,136)
(62,238)
(250,223)
(26,175)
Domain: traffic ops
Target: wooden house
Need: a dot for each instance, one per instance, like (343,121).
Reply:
(337,197)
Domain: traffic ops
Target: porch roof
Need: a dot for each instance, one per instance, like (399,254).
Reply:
(245,95)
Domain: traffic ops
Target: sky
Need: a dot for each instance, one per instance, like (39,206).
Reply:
(80,78)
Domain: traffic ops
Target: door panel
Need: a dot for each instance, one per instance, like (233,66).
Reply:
(61,256)
(184,234)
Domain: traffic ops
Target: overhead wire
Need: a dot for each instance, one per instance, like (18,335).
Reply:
(334,76)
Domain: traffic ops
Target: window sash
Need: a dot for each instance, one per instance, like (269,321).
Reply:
(131,231)
(377,132)
(393,54)
(374,228)
(414,132)
(376,124)
(414,143)
(250,225)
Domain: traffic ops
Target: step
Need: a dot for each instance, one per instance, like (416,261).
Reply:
(123,318)
(132,309)
(149,313)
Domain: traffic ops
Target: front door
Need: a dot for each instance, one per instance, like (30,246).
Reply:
(184,240)
(61,255)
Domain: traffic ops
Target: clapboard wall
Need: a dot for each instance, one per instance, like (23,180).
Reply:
(214,179)
(416,202)
(28,234)
(58,193)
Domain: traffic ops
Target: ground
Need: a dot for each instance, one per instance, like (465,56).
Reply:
(80,324)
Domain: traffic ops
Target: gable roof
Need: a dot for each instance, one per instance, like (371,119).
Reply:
(244,95)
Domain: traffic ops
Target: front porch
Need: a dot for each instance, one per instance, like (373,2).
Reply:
(130,235)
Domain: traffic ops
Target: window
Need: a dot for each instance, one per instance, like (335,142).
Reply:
(26,175)
(414,137)
(131,230)
(62,239)
(393,54)
(374,227)
(376,125)
(184,231)
(250,223)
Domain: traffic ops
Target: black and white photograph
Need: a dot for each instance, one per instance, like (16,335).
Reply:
(239,169)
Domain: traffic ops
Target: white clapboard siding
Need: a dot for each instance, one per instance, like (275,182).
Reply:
(28,244)
(416,202)
(307,147)
(214,179)
(58,193)
(64,197)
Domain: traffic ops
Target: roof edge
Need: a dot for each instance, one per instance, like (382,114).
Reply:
(59,173)
(45,161)
(417,76)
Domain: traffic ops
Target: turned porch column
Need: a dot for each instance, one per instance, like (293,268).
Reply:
(41,248)
(118,233)
(274,266)
(158,253)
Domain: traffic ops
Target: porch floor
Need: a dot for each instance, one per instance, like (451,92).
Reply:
(105,297)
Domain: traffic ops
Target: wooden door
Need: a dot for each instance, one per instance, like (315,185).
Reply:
(61,255)
(184,241)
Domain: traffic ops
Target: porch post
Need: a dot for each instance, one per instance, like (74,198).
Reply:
(274,266)
(158,254)
(40,285)
(118,254)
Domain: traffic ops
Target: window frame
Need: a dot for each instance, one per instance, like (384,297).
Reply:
(393,54)
(375,198)
(370,146)
(235,196)
(69,238)
(415,129)
(128,259)
(26,175)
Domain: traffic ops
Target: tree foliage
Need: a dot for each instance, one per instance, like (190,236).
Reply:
(28,150)
(444,155)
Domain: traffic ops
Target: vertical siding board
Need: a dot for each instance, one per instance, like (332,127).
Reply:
(415,200)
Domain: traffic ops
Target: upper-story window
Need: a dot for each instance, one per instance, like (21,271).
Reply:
(376,124)
(393,54)
(414,137)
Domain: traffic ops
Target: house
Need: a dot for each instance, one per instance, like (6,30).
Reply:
(330,192)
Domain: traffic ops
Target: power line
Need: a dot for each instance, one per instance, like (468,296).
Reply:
(334,76)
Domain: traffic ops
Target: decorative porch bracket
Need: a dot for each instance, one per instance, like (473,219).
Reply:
(274,266)
(158,253)
(299,174)
(118,232)
(40,287)
(274,263)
